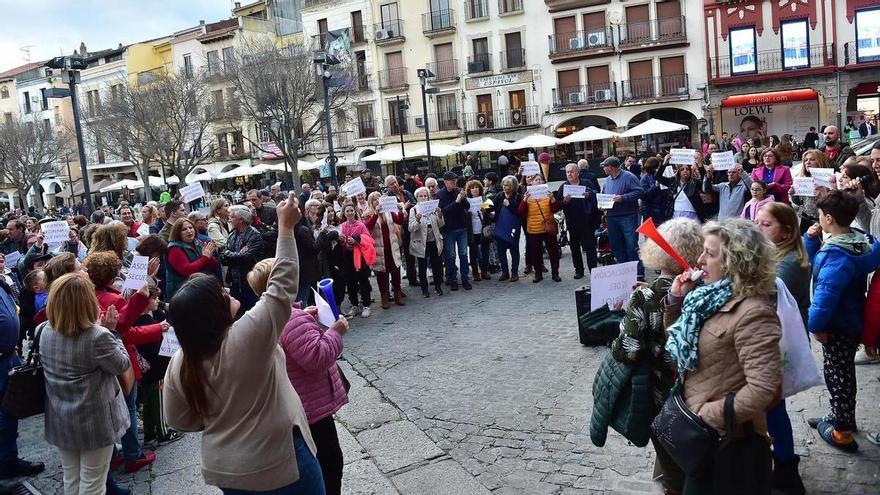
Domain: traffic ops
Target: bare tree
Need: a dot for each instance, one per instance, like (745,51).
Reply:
(280,90)
(30,152)
(161,120)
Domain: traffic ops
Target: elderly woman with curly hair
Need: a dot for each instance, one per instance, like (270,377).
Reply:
(724,336)
(642,334)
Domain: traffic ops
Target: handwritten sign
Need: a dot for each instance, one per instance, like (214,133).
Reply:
(612,285)
(354,187)
(530,168)
(606,201)
(573,191)
(538,191)
(427,207)
(137,273)
(56,232)
(804,186)
(681,156)
(388,204)
(822,176)
(475,204)
(12,259)
(723,160)
(668,171)
(192,192)
(170,344)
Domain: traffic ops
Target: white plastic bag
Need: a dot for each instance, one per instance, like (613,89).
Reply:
(799,370)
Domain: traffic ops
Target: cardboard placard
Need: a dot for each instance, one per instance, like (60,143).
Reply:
(55,233)
(388,204)
(573,191)
(681,156)
(427,207)
(170,344)
(606,201)
(12,259)
(612,285)
(137,273)
(475,204)
(530,168)
(192,192)
(668,171)
(804,186)
(822,176)
(538,191)
(131,243)
(723,160)
(354,187)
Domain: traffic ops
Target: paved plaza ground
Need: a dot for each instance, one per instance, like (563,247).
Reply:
(489,391)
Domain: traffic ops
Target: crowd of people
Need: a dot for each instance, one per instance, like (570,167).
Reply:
(250,265)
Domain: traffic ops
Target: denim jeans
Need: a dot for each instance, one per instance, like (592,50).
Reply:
(131,446)
(310,482)
(8,424)
(503,247)
(624,239)
(456,241)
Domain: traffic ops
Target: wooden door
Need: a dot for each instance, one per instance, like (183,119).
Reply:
(641,79)
(444,66)
(595,30)
(484,111)
(669,19)
(569,83)
(564,30)
(396,72)
(598,82)
(638,25)
(673,80)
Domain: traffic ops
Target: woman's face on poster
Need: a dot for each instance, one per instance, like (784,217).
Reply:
(749,129)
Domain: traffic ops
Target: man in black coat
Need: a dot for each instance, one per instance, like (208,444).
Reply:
(581,219)
(244,249)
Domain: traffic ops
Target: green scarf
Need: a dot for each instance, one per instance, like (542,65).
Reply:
(684,335)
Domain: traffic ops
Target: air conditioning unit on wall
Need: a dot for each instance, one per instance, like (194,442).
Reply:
(576,98)
(596,39)
(381,35)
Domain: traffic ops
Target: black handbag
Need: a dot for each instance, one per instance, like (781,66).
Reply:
(26,389)
(742,465)
(686,437)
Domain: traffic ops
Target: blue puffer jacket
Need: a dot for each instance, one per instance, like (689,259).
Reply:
(840,280)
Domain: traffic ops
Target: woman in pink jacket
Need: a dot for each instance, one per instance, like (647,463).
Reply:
(311,356)
(776,175)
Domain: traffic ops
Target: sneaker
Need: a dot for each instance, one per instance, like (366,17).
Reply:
(815,422)
(170,437)
(146,459)
(504,278)
(353,311)
(366,312)
(873,438)
(439,291)
(843,440)
(862,357)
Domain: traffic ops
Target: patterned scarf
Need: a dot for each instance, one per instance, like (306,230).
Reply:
(684,335)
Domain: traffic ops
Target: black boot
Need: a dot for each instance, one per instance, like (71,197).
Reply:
(20,467)
(786,477)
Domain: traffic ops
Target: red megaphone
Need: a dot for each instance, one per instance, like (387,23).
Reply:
(649,230)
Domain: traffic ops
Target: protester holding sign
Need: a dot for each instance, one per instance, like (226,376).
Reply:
(541,227)
(623,218)
(426,242)
(776,176)
(581,218)
(686,200)
(507,227)
(187,256)
(388,253)
(479,257)
(453,202)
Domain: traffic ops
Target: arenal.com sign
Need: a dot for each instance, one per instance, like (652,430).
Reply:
(766,114)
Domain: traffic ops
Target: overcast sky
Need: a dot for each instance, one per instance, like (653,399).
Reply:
(54,27)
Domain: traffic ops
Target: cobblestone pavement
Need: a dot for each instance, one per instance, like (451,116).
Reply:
(489,391)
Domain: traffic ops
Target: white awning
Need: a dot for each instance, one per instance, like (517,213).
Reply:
(654,126)
(123,184)
(387,155)
(438,149)
(240,172)
(535,141)
(591,133)
(485,144)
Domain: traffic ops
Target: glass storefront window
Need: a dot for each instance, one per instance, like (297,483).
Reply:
(743,57)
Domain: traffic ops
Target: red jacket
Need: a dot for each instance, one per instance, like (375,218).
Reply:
(871,330)
(178,260)
(129,311)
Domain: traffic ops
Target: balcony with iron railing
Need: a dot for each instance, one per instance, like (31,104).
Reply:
(342,141)
(366,129)
(655,32)
(476,10)
(444,71)
(479,63)
(219,70)
(861,53)
(581,44)
(394,78)
(444,122)
(510,7)
(512,60)
(648,89)
(597,95)
(438,22)
(759,64)
(501,119)
(388,32)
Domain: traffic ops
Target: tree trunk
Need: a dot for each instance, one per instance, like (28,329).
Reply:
(145,172)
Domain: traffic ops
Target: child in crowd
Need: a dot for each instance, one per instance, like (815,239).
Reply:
(35,282)
(840,269)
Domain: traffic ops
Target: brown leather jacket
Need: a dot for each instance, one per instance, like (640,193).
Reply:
(738,352)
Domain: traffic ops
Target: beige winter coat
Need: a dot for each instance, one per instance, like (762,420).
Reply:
(376,233)
(738,352)
(419,232)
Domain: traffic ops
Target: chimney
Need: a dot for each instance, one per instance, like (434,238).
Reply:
(83,52)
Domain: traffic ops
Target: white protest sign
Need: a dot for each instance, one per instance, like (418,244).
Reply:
(475,204)
(137,273)
(668,171)
(388,204)
(612,285)
(56,232)
(354,187)
(723,160)
(144,229)
(681,156)
(170,344)
(12,259)
(530,168)
(573,191)
(538,191)
(606,201)
(804,186)
(822,176)
(192,192)
(427,207)
(131,243)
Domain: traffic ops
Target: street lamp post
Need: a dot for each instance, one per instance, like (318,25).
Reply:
(69,179)
(401,106)
(331,158)
(424,74)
